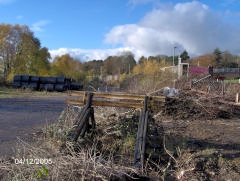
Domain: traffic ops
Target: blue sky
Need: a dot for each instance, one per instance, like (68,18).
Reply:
(95,29)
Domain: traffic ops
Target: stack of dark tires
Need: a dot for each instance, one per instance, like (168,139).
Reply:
(45,83)
(17,81)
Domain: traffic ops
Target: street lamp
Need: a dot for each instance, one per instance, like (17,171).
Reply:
(174,55)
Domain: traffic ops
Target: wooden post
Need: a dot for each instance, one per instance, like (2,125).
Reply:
(174,83)
(82,120)
(237,98)
(223,88)
(136,153)
(190,84)
(140,147)
(145,127)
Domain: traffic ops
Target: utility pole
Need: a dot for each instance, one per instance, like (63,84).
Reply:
(129,69)
(174,55)
(179,67)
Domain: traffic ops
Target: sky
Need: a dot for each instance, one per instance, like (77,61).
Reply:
(96,29)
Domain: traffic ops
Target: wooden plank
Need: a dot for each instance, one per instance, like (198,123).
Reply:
(157,98)
(118,96)
(77,93)
(108,103)
(118,104)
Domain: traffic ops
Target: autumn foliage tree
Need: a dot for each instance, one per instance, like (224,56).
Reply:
(9,39)
(203,60)
(149,76)
(148,68)
(217,59)
(119,64)
(67,66)
(21,52)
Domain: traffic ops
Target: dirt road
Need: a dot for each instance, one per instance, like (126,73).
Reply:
(21,116)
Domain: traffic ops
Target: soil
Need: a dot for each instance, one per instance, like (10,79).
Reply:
(20,117)
(203,135)
(213,144)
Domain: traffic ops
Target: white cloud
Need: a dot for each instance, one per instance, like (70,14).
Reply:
(38,26)
(191,26)
(89,54)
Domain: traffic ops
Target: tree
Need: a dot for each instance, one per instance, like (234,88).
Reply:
(111,66)
(40,64)
(142,59)
(148,68)
(9,39)
(127,62)
(228,60)
(119,64)
(217,54)
(184,55)
(93,66)
(203,60)
(27,54)
(21,52)
(67,66)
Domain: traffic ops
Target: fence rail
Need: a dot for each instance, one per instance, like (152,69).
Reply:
(226,70)
(117,100)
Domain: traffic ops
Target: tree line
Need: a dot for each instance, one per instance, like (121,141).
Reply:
(21,53)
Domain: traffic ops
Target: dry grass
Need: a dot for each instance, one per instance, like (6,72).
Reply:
(89,159)
(146,84)
(231,90)
(86,164)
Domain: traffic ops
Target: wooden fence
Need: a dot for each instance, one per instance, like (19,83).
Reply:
(90,99)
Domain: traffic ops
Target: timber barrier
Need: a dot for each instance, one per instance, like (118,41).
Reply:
(85,121)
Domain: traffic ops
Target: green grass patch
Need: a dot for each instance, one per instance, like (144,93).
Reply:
(232,81)
(8,92)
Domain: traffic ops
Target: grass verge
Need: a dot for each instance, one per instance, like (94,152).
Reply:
(8,92)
